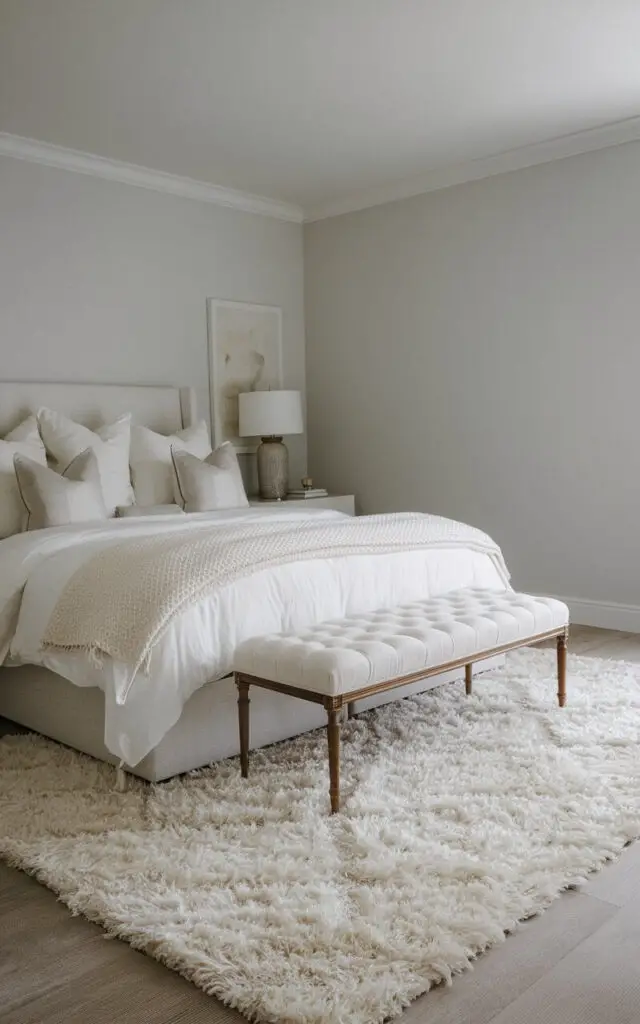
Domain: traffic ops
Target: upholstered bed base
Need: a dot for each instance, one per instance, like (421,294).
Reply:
(206,731)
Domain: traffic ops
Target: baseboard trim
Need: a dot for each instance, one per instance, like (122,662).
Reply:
(605,614)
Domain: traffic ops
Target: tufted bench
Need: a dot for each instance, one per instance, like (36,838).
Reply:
(340,661)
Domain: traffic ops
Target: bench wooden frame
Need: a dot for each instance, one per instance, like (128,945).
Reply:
(334,703)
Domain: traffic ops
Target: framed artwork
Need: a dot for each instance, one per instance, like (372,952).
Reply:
(245,354)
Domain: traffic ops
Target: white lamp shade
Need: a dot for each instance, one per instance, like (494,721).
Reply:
(269,413)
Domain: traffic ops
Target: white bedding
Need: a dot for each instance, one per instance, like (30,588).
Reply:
(200,643)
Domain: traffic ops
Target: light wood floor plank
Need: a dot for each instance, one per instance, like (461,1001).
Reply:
(597,983)
(618,881)
(505,972)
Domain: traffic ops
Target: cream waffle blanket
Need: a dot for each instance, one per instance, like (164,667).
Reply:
(121,600)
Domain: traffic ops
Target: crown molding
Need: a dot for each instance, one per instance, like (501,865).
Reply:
(143,177)
(613,134)
(34,151)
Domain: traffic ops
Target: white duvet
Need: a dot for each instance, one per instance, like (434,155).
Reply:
(198,647)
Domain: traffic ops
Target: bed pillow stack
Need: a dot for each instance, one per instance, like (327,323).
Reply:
(54,471)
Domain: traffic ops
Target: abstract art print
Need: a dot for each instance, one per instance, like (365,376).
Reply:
(245,354)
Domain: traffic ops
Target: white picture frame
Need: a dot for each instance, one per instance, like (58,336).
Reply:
(245,354)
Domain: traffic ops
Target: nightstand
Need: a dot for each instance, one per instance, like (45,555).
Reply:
(339,502)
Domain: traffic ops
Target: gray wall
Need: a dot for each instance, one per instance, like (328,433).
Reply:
(475,352)
(107,283)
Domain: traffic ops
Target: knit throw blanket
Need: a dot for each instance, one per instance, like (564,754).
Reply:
(121,600)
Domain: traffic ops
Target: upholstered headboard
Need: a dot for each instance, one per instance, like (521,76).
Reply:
(162,408)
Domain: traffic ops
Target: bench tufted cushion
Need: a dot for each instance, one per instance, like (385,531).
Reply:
(343,655)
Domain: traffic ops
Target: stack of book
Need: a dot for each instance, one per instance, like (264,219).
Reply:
(308,492)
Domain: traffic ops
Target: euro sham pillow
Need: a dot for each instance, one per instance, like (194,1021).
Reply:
(64,440)
(151,467)
(56,499)
(23,440)
(210,484)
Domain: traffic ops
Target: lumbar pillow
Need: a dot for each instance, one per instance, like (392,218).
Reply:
(55,499)
(65,439)
(131,511)
(24,440)
(207,485)
(151,468)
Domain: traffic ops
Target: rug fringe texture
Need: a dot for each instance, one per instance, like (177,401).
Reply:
(462,817)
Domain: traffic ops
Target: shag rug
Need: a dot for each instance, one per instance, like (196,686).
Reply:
(461,817)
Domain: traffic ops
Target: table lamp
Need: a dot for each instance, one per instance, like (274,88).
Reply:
(269,415)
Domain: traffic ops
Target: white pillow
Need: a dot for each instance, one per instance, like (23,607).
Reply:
(151,468)
(65,439)
(55,499)
(211,484)
(24,440)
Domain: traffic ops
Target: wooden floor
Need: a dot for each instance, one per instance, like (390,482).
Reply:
(576,964)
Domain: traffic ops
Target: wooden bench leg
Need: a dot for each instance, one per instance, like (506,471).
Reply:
(468,679)
(333,737)
(562,668)
(243,724)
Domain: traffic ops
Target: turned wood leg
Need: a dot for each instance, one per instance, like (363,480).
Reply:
(243,724)
(333,737)
(562,668)
(468,679)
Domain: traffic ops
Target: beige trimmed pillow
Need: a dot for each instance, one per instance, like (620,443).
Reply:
(23,440)
(55,499)
(151,469)
(211,484)
(64,439)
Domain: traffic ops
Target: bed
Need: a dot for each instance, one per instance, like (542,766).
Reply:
(181,727)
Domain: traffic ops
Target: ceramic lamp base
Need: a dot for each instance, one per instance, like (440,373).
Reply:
(273,469)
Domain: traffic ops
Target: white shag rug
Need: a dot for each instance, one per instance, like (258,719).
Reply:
(461,817)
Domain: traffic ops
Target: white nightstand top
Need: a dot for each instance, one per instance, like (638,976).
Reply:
(339,502)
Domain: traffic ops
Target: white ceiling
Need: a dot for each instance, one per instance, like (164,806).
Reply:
(311,101)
